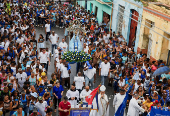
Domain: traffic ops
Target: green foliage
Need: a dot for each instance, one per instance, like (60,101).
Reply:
(76,56)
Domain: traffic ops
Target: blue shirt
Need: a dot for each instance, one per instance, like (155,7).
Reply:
(58,91)
(41,93)
(16,113)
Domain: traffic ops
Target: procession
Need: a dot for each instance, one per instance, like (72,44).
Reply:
(58,59)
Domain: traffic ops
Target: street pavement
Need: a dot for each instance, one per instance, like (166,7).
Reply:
(60,32)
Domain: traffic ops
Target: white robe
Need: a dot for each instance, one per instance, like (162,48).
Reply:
(62,45)
(84,93)
(103,107)
(134,108)
(71,94)
(118,99)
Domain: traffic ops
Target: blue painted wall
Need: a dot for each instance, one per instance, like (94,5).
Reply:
(128,4)
(101,8)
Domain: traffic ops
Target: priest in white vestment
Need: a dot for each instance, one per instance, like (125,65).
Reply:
(63,45)
(118,99)
(73,96)
(103,104)
(134,108)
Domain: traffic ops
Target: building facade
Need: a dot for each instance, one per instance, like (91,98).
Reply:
(155,36)
(126,15)
(100,8)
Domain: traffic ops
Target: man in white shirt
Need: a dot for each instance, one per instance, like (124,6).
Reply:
(54,41)
(20,39)
(104,70)
(65,74)
(44,58)
(134,108)
(79,82)
(47,30)
(21,78)
(63,45)
(85,93)
(121,38)
(90,75)
(118,99)
(41,106)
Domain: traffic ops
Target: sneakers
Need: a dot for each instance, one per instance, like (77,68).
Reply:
(52,55)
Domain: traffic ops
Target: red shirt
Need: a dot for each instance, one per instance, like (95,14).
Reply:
(64,106)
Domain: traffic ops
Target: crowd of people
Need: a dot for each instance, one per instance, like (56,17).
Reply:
(27,91)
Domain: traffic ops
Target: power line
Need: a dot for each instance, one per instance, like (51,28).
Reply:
(138,22)
(142,19)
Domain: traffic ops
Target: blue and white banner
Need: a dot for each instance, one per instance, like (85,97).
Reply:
(158,112)
(80,112)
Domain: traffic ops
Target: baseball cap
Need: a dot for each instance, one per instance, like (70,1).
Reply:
(43,74)
(34,94)
(40,98)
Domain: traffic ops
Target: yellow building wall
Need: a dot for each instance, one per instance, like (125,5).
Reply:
(160,45)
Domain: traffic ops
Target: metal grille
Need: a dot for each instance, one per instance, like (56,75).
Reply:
(120,19)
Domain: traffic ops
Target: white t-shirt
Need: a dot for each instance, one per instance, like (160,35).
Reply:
(105,68)
(43,57)
(106,39)
(121,83)
(58,65)
(21,78)
(47,27)
(90,73)
(41,107)
(20,41)
(79,82)
(53,38)
(64,71)
(56,53)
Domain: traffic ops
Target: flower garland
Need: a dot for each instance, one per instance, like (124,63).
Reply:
(76,56)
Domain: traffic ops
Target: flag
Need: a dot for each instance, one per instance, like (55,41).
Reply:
(90,98)
(97,100)
(158,112)
(68,66)
(88,64)
(120,110)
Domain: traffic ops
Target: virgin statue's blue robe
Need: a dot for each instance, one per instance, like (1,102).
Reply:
(75,43)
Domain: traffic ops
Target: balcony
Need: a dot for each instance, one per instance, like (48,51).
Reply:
(105,1)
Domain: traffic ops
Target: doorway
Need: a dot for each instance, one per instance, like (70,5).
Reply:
(106,16)
(133,27)
(96,9)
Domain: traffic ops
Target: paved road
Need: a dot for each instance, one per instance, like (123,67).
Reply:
(60,32)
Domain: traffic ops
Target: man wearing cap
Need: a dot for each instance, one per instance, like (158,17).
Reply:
(103,103)
(41,106)
(118,99)
(73,96)
(134,108)
(33,101)
(104,70)
(64,107)
(21,78)
(54,41)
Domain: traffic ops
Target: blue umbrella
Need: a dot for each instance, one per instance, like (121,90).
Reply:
(161,70)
